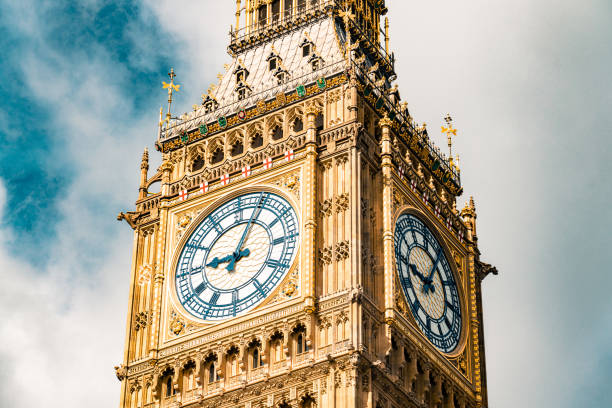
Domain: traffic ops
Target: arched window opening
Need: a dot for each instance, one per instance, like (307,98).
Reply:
(277,133)
(217,155)
(288,8)
(262,15)
(211,373)
(237,148)
(257,140)
(301,6)
(255,358)
(189,380)
(298,125)
(277,347)
(169,386)
(319,124)
(198,163)
(272,64)
(275,11)
(232,361)
(307,401)
(301,346)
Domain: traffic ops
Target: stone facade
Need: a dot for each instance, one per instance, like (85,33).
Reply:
(336,332)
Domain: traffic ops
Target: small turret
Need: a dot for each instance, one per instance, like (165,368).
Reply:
(144,169)
(469,216)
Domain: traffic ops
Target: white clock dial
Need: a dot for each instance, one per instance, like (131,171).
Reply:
(237,255)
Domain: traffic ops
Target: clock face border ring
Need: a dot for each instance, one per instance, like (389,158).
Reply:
(210,207)
(444,244)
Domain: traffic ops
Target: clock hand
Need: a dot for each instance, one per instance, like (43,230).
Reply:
(414,270)
(237,253)
(236,257)
(215,262)
(433,268)
(427,282)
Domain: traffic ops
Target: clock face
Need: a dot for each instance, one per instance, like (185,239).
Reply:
(428,282)
(237,255)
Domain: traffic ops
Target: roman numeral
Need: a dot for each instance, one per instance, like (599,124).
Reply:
(415,307)
(194,246)
(214,298)
(201,287)
(452,307)
(259,287)
(406,282)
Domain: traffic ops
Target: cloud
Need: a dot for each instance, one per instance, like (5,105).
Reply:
(63,302)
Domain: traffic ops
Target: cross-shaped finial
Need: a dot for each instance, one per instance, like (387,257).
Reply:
(171,87)
(450,132)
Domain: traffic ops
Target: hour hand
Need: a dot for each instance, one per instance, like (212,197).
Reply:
(415,271)
(427,282)
(215,262)
(235,257)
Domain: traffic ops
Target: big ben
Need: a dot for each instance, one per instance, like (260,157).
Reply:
(300,245)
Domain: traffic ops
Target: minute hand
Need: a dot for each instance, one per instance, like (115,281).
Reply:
(255,214)
(433,268)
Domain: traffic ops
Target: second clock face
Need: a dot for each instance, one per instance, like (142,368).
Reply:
(237,256)
(428,283)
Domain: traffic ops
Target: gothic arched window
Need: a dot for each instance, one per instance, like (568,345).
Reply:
(277,133)
(197,163)
(255,356)
(211,373)
(301,6)
(319,121)
(169,386)
(262,16)
(237,148)
(288,8)
(217,155)
(257,140)
(298,125)
(275,10)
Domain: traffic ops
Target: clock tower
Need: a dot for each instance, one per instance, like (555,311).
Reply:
(300,244)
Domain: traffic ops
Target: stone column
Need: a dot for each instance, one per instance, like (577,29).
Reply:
(387,168)
(310,205)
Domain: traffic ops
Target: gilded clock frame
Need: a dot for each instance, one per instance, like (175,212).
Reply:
(209,208)
(445,245)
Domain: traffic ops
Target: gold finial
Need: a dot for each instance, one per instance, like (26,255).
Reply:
(145,156)
(450,132)
(238,7)
(171,87)
(194,107)
(346,15)
(219,77)
(387,35)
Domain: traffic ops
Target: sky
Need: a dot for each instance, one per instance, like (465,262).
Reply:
(528,86)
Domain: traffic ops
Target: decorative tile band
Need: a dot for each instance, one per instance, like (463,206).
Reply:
(261,108)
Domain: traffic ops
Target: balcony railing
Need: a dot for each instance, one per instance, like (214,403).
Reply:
(276,20)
